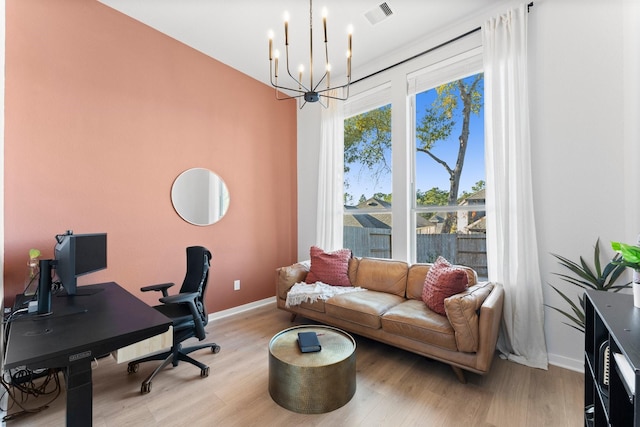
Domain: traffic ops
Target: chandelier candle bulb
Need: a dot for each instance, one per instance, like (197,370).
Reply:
(286,28)
(324,23)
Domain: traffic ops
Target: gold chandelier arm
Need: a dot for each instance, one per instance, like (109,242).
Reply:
(300,84)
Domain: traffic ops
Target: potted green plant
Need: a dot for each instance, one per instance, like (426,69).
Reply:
(630,258)
(585,276)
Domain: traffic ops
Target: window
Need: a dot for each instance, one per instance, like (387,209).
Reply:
(415,171)
(367,183)
(449,177)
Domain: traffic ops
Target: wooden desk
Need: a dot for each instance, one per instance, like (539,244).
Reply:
(81,328)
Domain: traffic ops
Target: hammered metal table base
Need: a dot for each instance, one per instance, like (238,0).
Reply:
(312,383)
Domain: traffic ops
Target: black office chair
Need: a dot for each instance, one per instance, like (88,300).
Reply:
(188,314)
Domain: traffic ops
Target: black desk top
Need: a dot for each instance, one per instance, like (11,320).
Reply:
(82,326)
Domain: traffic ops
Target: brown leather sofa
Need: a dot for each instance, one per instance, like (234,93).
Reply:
(392,311)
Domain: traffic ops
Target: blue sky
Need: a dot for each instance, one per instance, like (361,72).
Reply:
(430,174)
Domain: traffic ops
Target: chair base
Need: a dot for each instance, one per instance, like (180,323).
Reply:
(174,357)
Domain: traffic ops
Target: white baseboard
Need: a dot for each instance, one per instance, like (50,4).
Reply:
(566,363)
(241,308)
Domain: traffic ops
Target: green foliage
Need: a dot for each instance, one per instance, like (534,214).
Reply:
(585,277)
(433,197)
(366,137)
(480,185)
(630,254)
(440,118)
(383,196)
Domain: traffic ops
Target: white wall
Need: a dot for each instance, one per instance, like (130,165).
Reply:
(584,126)
(585,183)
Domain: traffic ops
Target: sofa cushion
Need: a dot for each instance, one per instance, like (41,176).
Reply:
(363,308)
(418,273)
(314,306)
(329,267)
(383,275)
(353,269)
(462,311)
(442,281)
(413,319)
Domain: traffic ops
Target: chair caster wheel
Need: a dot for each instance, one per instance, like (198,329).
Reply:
(145,388)
(215,348)
(133,368)
(204,372)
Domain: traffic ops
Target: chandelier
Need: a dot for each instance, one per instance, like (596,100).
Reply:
(309,91)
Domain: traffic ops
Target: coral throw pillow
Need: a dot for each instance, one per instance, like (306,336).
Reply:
(443,280)
(331,268)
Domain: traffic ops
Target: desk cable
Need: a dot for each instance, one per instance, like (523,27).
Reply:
(20,383)
(7,324)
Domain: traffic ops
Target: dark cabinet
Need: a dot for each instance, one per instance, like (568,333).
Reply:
(612,359)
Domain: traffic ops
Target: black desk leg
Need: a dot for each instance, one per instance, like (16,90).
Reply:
(79,394)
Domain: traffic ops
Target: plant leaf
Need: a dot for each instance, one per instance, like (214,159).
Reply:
(583,276)
(596,258)
(578,318)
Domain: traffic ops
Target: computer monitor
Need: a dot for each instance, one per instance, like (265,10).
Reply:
(77,255)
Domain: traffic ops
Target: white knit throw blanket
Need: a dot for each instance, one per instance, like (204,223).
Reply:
(312,292)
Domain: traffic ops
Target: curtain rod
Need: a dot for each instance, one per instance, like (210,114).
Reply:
(455,39)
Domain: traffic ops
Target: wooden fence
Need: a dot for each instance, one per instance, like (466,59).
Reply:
(463,249)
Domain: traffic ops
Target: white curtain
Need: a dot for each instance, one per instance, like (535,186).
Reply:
(330,176)
(512,250)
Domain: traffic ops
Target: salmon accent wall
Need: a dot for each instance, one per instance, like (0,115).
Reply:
(102,113)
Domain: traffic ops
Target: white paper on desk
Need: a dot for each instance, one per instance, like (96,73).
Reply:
(627,372)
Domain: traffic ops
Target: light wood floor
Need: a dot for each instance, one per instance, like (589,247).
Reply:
(394,388)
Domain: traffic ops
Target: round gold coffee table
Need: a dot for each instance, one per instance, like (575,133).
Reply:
(312,383)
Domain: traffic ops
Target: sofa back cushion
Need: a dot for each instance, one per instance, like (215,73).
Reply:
(354,263)
(383,275)
(418,273)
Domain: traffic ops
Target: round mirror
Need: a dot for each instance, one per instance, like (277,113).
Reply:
(200,196)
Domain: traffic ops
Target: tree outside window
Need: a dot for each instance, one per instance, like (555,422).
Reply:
(449,173)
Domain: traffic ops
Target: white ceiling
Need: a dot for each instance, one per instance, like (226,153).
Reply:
(235,32)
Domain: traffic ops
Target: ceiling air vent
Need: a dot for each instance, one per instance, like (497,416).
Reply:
(378,13)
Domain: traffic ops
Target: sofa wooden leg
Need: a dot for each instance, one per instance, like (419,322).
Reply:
(459,373)
(293,316)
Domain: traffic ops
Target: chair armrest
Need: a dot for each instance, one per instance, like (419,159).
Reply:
(180,298)
(190,300)
(159,287)
(286,277)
